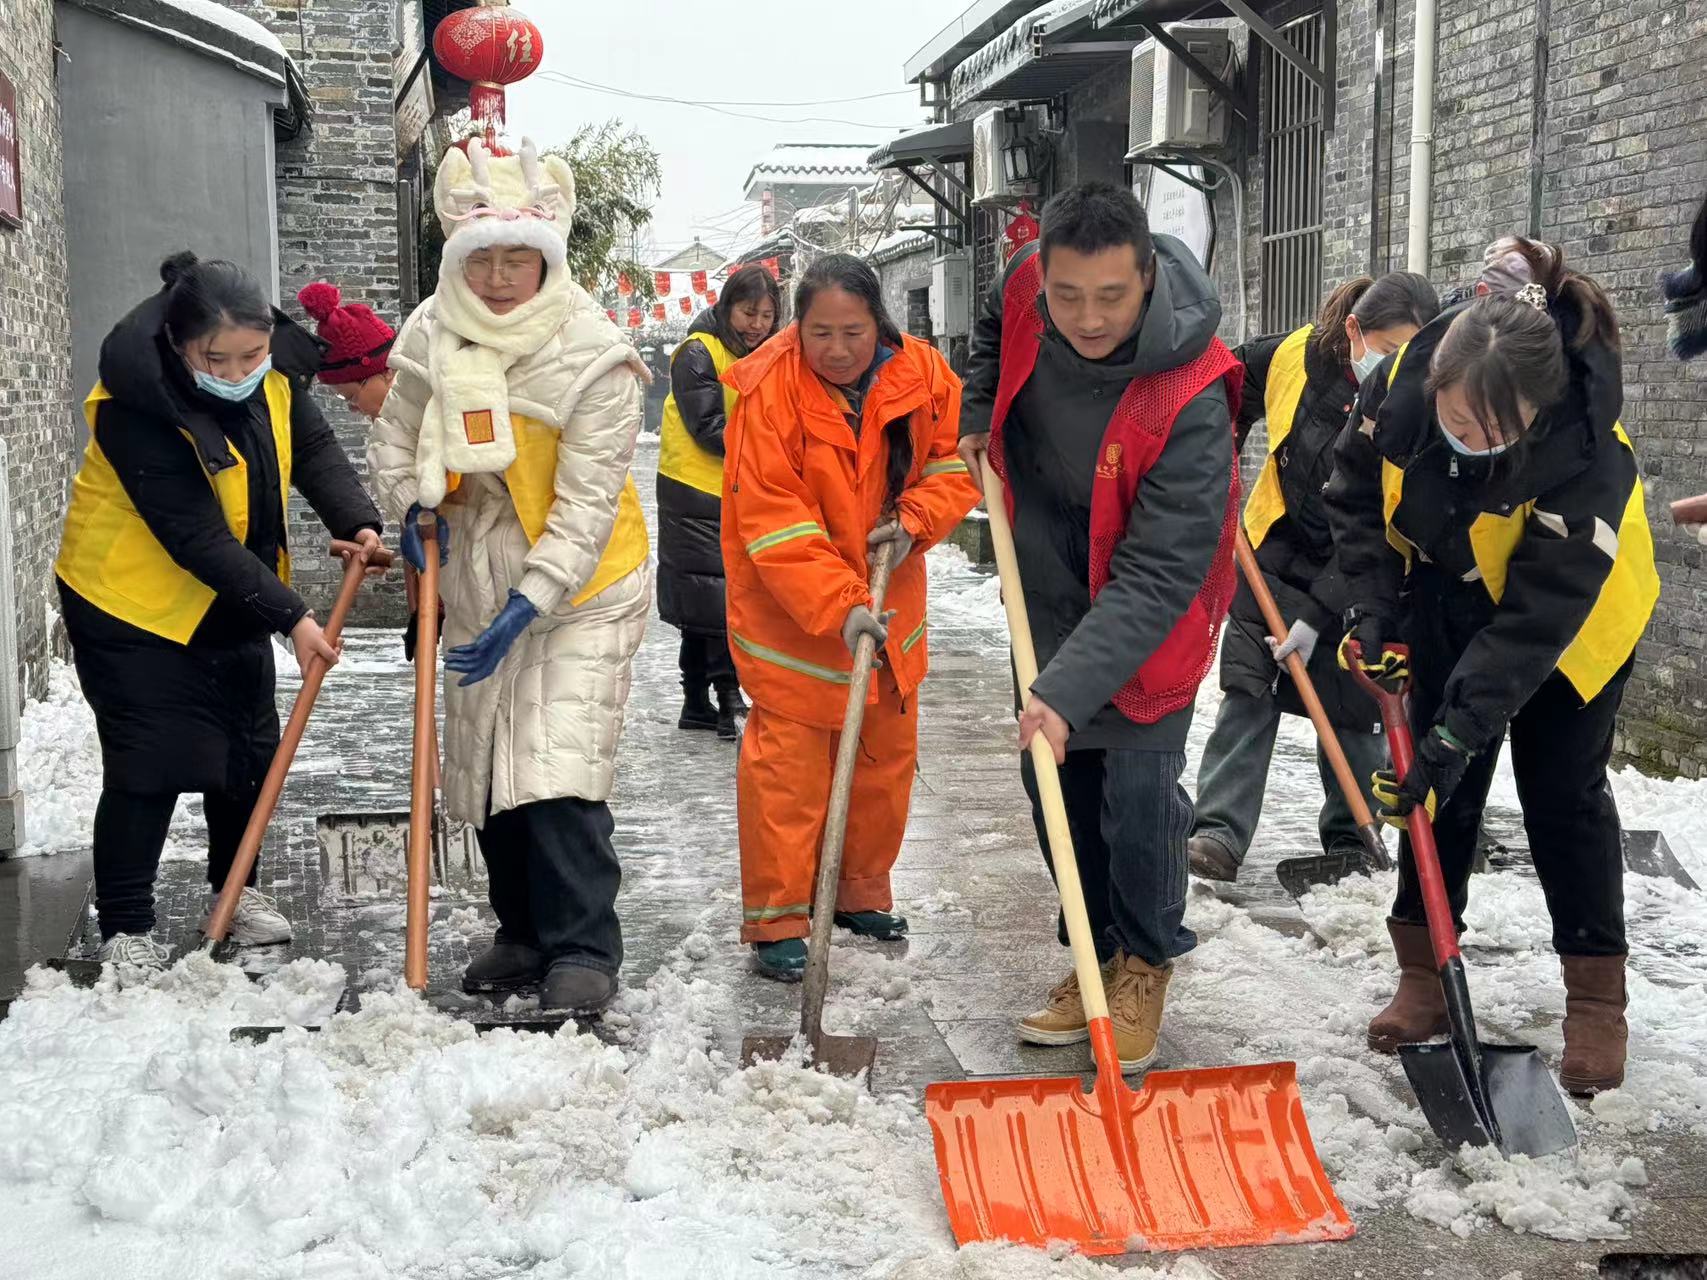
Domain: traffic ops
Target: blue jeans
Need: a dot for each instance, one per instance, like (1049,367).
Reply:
(1233,776)
(1129,817)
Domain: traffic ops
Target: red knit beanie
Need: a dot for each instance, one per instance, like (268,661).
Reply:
(359,340)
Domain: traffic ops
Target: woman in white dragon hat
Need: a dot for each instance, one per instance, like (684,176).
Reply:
(513,417)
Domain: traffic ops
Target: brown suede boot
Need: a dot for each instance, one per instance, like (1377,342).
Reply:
(1595,1033)
(1418,1008)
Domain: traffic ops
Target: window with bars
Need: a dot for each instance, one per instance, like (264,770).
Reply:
(1292,144)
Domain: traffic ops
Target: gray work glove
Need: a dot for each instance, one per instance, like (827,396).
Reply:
(1300,640)
(889,531)
(863,622)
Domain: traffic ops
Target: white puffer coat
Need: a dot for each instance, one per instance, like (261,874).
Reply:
(546,723)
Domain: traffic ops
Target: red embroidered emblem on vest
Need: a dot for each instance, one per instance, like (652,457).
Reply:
(477,426)
(1109,467)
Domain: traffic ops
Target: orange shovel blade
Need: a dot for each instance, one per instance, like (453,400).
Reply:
(1192,1160)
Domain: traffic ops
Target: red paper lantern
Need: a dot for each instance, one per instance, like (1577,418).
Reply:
(662,280)
(1020,232)
(658,311)
(612,315)
(634,317)
(489,46)
(711,297)
(698,279)
(774,266)
(687,306)
(624,286)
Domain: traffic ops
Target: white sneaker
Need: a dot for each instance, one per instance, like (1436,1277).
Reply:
(137,950)
(257,922)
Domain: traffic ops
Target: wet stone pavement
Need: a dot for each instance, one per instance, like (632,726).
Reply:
(982,950)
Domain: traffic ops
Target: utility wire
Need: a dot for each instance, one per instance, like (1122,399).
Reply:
(577,83)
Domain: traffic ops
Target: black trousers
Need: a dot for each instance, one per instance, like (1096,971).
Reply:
(1129,818)
(705,660)
(1559,753)
(552,879)
(130,832)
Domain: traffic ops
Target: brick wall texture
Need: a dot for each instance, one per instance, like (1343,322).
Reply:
(337,185)
(37,412)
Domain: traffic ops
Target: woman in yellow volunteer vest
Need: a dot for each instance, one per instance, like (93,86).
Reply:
(690,491)
(1488,513)
(513,415)
(1303,383)
(174,574)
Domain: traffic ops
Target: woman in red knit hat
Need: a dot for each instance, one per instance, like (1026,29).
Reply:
(358,344)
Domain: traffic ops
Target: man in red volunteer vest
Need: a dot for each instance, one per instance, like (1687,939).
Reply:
(1106,403)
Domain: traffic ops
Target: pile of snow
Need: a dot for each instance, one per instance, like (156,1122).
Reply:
(59,766)
(230,20)
(961,596)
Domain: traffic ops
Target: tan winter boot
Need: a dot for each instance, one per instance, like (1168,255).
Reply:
(1135,998)
(1061,1020)
(1595,1032)
(1418,1008)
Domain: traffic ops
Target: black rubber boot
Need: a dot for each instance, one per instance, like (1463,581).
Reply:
(576,988)
(884,926)
(783,960)
(697,711)
(731,713)
(503,966)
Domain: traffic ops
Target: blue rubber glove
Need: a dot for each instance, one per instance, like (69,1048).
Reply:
(410,542)
(480,659)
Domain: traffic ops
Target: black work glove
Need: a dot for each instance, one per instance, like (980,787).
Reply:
(412,629)
(1388,667)
(1435,774)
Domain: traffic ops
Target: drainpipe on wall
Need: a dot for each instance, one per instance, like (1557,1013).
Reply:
(1422,139)
(11,800)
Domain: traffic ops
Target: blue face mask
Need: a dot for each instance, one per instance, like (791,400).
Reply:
(1459,447)
(1366,364)
(236,392)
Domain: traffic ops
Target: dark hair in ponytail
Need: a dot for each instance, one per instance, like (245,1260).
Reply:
(1501,352)
(854,276)
(204,297)
(1595,316)
(1399,297)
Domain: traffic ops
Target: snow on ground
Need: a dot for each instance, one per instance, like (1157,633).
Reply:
(398,1143)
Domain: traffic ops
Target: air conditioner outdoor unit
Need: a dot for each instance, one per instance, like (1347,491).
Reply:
(1005,145)
(951,297)
(1173,110)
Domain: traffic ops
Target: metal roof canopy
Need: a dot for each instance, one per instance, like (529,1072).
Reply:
(1151,14)
(924,146)
(1047,52)
(964,35)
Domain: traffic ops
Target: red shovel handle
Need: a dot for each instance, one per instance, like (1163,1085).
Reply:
(1436,905)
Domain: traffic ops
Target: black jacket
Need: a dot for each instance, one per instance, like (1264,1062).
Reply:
(690,553)
(1570,464)
(1297,555)
(166,477)
(1052,439)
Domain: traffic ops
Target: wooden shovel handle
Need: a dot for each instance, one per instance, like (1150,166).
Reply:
(1295,668)
(1050,799)
(424,772)
(219,922)
(815,981)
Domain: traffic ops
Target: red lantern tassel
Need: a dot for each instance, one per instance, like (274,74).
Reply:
(486,102)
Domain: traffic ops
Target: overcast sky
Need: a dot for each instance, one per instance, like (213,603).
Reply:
(756,51)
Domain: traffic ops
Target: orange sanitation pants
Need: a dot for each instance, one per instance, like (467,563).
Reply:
(782,795)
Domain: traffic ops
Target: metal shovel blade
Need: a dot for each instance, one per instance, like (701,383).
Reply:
(1518,1109)
(839,1055)
(1193,1159)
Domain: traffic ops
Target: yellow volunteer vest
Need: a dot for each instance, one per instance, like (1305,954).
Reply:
(532,481)
(1626,599)
(1281,397)
(108,556)
(680,456)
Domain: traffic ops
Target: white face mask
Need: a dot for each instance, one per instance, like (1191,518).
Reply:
(1459,447)
(1367,363)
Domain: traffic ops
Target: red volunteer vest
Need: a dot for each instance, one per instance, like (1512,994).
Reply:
(1137,433)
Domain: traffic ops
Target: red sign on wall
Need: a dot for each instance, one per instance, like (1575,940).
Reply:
(11,168)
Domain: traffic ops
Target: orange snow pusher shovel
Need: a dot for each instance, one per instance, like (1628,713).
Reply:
(1192,1159)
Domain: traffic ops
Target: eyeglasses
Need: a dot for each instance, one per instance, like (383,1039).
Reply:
(509,270)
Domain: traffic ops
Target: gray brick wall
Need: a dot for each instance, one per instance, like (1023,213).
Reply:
(37,412)
(338,215)
(1621,165)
